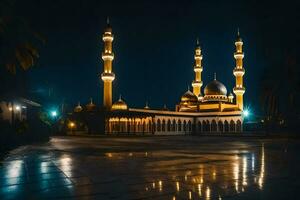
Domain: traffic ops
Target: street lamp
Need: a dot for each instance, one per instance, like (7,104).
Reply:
(71,125)
(53,113)
(246,113)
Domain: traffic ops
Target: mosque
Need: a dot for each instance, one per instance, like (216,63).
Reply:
(212,110)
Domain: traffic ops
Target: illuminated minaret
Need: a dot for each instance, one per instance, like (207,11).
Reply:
(239,72)
(197,83)
(107,76)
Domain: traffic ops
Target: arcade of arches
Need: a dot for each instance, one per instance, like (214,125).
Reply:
(165,125)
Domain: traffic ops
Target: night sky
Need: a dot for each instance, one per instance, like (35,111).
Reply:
(154,47)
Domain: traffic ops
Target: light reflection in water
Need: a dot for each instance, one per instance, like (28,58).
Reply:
(253,162)
(233,177)
(160,185)
(262,167)
(207,196)
(66,165)
(236,172)
(245,170)
(177,186)
(14,172)
(199,190)
(15,169)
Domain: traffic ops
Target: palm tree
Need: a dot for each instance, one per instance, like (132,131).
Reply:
(19,44)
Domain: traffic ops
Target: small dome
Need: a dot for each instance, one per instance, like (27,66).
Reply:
(91,106)
(189,96)
(78,108)
(147,106)
(230,95)
(165,108)
(119,105)
(215,88)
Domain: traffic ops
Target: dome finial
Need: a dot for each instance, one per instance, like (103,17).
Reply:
(188,88)
(197,41)
(215,76)
(78,103)
(107,20)
(91,100)
(120,97)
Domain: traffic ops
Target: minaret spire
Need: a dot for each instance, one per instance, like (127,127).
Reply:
(197,83)
(215,76)
(107,76)
(107,21)
(239,72)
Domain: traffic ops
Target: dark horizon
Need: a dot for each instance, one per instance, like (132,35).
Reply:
(154,46)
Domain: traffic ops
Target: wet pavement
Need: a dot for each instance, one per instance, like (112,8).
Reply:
(175,167)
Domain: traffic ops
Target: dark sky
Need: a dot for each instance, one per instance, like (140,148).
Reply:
(154,45)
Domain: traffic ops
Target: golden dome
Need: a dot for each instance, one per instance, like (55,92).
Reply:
(189,96)
(119,105)
(215,88)
(78,108)
(91,106)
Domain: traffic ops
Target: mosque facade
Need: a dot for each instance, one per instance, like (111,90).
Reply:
(203,110)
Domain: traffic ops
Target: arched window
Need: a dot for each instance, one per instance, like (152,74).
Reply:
(184,126)
(173,125)
(226,126)
(232,126)
(238,126)
(214,126)
(189,126)
(158,125)
(179,125)
(169,125)
(199,127)
(163,126)
(220,126)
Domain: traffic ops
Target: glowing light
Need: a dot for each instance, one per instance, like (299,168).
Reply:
(160,185)
(207,193)
(246,113)
(10,108)
(190,195)
(245,170)
(262,168)
(236,171)
(199,190)
(18,108)
(71,124)
(53,113)
(177,186)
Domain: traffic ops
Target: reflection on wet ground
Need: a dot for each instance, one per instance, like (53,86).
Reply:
(153,168)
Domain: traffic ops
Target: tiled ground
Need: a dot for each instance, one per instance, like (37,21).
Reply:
(153,168)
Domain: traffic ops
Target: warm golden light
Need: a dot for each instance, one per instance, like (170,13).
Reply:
(160,185)
(207,193)
(71,124)
(177,186)
(262,167)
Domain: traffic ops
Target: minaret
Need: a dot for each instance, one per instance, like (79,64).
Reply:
(239,72)
(107,76)
(197,83)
